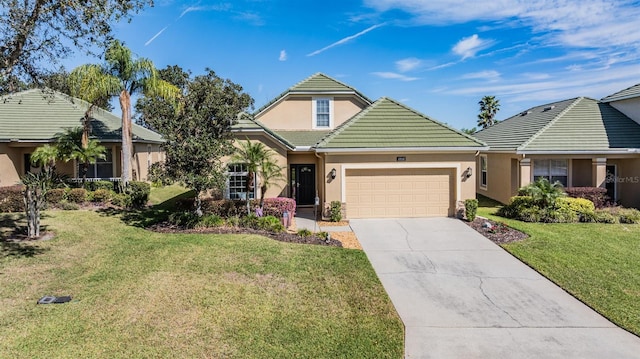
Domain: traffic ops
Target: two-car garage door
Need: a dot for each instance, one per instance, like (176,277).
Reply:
(399,192)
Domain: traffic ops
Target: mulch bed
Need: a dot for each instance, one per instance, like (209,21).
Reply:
(498,232)
(282,237)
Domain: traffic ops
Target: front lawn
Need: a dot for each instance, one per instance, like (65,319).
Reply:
(140,294)
(597,263)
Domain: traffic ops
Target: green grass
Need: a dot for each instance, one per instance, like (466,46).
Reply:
(597,263)
(140,294)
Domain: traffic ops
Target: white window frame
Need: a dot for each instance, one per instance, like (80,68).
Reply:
(241,173)
(537,165)
(483,173)
(315,112)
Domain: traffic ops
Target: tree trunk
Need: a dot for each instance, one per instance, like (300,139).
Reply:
(17,45)
(31,212)
(125,105)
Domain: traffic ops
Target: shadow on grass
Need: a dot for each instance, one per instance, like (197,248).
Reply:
(13,239)
(148,216)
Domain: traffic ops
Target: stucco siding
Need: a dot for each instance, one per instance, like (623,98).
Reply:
(581,173)
(500,181)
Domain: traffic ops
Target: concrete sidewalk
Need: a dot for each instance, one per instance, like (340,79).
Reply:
(461,296)
(304,218)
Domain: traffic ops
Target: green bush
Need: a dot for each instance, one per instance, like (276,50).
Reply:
(250,221)
(470,208)
(629,215)
(304,232)
(210,220)
(559,215)
(517,206)
(605,216)
(543,192)
(187,219)
(233,221)
(139,192)
(582,207)
(108,185)
(55,195)
(11,199)
(335,211)
(67,206)
(102,195)
(77,195)
(271,224)
(122,200)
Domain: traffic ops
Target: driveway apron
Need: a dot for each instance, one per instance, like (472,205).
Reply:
(462,296)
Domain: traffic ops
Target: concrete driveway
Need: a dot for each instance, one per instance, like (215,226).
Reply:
(461,296)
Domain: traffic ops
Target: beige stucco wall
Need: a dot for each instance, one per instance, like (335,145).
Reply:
(627,181)
(144,156)
(296,112)
(501,184)
(466,187)
(581,172)
(10,158)
(630,107)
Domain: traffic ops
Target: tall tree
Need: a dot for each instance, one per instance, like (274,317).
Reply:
(489,106)
(252,155)
(37,32)
(174,75)
(122,75)
(270,174)
(197,130)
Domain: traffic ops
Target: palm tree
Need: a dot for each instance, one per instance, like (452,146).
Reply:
(89,155)
(251,155)
(270,173)
(122,75)
(46,157)
(69,146)
(489,106)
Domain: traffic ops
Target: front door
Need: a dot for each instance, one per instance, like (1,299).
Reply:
(610,182)
(303,184)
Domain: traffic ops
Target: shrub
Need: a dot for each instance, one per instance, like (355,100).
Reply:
(304,232)
(250,221)
(529,214)
(277,206)
(605,216)
(55,195)
(559,215)
(597,195)
(157,175)
(582,207)
(210,220)
(102,195)
(11,199)
(629,215)
(335,211)
(77,195)
(139,192)
(543,192)
(271,224)
(107,185)
(122,200)
(186,219)
(69,206)
(224,207)
(516,206)
(471,208)
(233,221)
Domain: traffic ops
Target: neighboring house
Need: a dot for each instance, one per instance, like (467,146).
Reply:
(379,159)
(579,142)
(34,117)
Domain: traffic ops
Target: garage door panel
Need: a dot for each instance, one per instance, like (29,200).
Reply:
(387,193)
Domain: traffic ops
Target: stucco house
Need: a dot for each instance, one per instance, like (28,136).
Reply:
(34,117)
(580,142)
(378,158)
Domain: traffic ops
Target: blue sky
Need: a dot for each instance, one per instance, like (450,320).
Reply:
(437,56)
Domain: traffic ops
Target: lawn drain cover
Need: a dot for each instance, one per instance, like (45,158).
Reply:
(49,299)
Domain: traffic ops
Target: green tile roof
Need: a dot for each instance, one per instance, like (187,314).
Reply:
(39,114)
(246,124)
(303,138)
(319,84)
(630,92)
(389,124)
(575,125)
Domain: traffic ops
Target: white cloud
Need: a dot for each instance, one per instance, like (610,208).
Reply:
(394,76)
(408,64)
(489,75)
(283,55)
(345,40)
(469,46)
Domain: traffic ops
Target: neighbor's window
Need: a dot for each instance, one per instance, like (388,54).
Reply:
(552,170)
(483,171)
(237,183)
(322,112)
(100,169)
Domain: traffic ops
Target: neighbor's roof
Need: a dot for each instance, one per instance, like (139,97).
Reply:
(38,115)
(388,124)
(575,125)
(316,84)
(629,92)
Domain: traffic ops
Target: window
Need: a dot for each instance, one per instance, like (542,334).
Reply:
(100,169)
(238,182)
(552,170)
(483,171)
(322,108)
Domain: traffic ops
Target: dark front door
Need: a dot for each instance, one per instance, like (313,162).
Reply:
(611,180)
(303,184)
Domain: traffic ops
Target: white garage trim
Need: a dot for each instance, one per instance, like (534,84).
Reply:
(450,165)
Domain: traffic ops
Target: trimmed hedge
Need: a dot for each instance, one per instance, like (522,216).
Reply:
(229,208)
(597,195)
(77,195)
(139,192)
(107,185)
(11,199)
(55,195)
(470,208)
(102,195)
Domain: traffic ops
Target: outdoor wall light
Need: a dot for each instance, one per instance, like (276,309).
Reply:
(333,173)
(469,172)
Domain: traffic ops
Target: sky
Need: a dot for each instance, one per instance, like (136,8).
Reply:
(439,57)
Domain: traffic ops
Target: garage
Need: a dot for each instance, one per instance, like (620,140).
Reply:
(399,192)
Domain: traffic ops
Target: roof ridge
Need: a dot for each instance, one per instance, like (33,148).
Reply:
(550,123)
(348,123)
(616,94)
